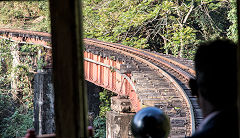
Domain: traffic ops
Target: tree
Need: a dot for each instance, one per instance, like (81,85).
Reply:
(170,26)
(28,15)
(232,16)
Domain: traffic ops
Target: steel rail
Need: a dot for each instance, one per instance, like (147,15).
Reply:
(27,32)
(146,53)
(152,56)
(165,61)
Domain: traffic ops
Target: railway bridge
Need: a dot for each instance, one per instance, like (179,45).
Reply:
(140,78)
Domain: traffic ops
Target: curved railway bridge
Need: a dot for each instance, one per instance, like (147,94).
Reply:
(140,78)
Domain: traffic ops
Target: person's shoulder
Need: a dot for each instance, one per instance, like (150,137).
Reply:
(223,125)
(202,134)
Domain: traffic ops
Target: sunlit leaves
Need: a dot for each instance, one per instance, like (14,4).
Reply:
(114,20)
(30,15)
(22,72)
(99,122)
(232,16)
(169,26)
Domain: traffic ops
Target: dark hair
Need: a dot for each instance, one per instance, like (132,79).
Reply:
(216,72)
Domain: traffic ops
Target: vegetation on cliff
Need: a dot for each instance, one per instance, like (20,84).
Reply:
(169,26)
(99,122)
(19,63)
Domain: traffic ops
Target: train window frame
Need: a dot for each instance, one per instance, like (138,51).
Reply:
(68,71)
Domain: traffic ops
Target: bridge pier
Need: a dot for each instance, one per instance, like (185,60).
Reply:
(118,121)
(44,103)
(119,124)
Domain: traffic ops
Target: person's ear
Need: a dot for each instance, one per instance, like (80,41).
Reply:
(193,85)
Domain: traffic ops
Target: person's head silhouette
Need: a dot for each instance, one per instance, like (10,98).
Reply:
(216,74)
(215,86)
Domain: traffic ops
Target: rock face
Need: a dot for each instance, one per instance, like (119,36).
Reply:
(44,103)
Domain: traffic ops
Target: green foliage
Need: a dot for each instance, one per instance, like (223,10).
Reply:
(17,67)
(105,102)
(112,21)
(17,124)
(211,19)
(173,27)
(18,64)
(99,122)
(14,118)
(232,16)
(29,15)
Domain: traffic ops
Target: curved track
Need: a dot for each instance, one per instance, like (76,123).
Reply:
(174,70)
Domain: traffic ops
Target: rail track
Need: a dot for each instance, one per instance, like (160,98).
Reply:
(176,71)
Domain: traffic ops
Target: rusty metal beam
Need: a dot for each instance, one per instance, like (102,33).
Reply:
(116,70)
